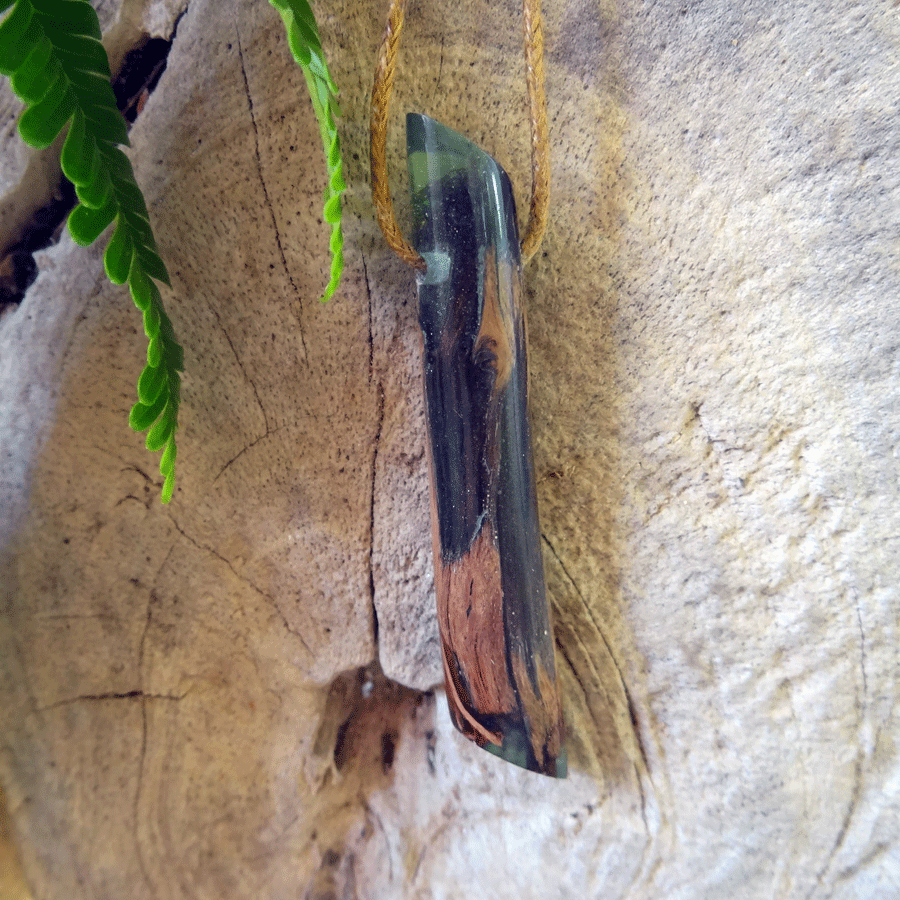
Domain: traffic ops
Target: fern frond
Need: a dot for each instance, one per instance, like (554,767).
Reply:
(306,47)
(51,51)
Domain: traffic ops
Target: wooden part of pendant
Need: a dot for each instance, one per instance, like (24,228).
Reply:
(496,635)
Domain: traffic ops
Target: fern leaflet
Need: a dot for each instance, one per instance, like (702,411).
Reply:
(51,51)
(306,47)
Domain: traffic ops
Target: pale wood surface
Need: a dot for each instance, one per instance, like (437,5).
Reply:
(714,327)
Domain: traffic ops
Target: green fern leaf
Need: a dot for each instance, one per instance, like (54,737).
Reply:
(71,16)
(152,318)
(141,291)
(41,123)
(143,415)
(51,51)
(119,253)
(18,38)
(86,223)
(306,47)
(154,352)
(37,73)
(151,382)
(79,154)
(167,463)
(159,434)
(169,483)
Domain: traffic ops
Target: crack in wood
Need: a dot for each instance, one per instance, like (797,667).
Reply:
(112,695)
(845,823)
(143,751)
(632,710)
(268,202)
(268,597)
(437,83)
(247,378)
(243,450)
(862,653)
(369,300)
(375,449)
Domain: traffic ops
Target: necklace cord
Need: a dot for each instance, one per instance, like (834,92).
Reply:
(540,141)
(385,69)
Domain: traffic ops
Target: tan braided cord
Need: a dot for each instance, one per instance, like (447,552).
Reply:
(381,95)
(540,142)
(385,69)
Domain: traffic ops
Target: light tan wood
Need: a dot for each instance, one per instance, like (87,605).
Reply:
(713,336)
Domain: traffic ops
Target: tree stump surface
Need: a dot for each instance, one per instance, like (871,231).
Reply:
(238,695)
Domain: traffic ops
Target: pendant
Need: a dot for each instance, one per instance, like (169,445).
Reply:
(496,634)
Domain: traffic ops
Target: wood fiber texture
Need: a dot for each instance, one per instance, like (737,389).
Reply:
(188,702)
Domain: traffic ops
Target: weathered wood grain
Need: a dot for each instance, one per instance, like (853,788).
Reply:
(715,394)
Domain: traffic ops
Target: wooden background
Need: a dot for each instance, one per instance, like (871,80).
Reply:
(189,701)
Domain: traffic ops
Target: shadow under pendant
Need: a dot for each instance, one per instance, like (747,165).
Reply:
(496,634)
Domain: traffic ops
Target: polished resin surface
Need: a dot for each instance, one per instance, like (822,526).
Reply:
(496,634)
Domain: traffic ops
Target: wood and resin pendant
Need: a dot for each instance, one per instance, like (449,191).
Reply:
(496,634)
